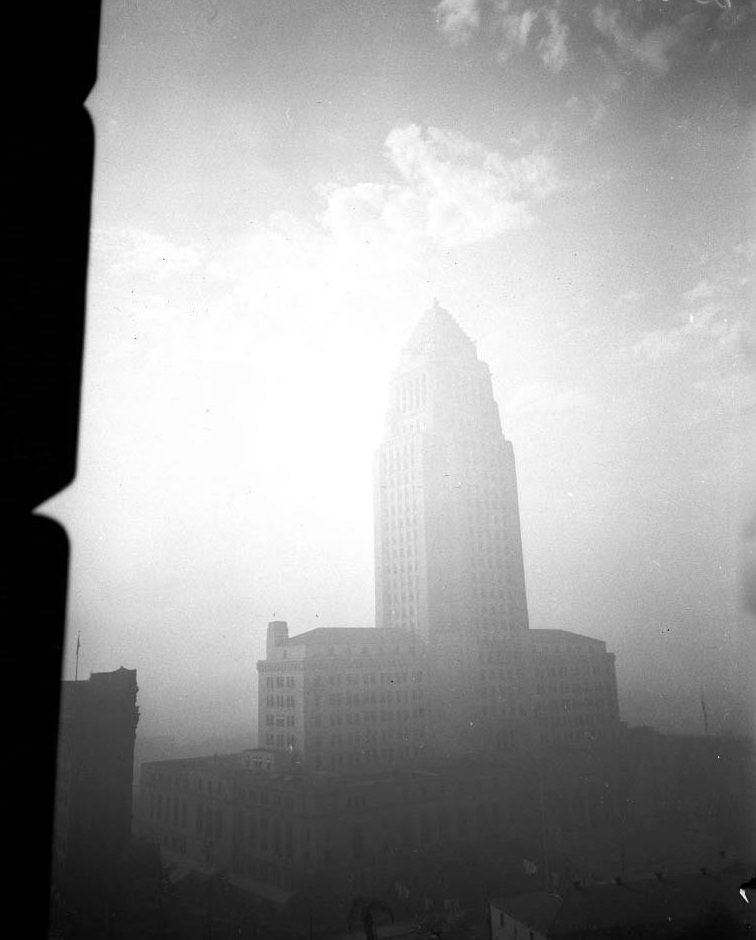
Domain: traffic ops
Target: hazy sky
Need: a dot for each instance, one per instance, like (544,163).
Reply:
(282,188)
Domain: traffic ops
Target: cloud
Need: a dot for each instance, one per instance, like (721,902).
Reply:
(515,29)
(288,282)
(702,290)
(543,28)
(451,191)
(552,48)
(458,19)
(709,347)
(519,26)
(706,334)
(130,250)
(650,50)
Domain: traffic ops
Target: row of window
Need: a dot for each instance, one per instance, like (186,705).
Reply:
(170,811)
(400,517)
(182,781)
(356,718)
(578,669)
(280,721)
(280,740)
(261,834)
(280,682)
(355,738)
(407,569)
(368,757)
(403,612)
(385,697)
(280,701)
(265,798)
(372,678)
(167,810)
(401,595)
(381,652)
(397,457)
(411,394)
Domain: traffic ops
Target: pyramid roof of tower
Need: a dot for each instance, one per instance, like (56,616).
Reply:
(438,331)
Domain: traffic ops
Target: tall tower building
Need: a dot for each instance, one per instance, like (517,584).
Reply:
(448,548)
(453,669)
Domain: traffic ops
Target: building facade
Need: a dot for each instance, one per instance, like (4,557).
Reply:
(574,689)
(93,803)
(449,564)
(453,669)
(343,699)
(698,904)
(448,552)
(276,828)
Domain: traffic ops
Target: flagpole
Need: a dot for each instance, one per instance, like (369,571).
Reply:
(78,644)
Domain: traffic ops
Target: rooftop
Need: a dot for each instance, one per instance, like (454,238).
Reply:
(367,636)
(438,331)
(626,904)
(564,635)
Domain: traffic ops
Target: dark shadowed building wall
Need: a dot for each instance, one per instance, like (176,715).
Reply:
(98,721)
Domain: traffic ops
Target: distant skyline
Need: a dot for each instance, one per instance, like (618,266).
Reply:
(281,190)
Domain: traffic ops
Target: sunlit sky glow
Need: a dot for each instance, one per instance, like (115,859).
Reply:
(281,190)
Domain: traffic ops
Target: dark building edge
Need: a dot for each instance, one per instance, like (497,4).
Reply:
(50,139)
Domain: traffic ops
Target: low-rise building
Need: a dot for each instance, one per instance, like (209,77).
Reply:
(93,792)
(698,905)
(350,699)
(273,826)
(343,699)
(574,689)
